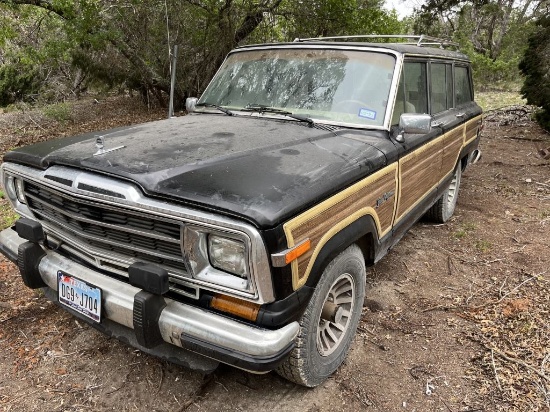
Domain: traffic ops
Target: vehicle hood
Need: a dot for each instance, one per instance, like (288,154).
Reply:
(262,170)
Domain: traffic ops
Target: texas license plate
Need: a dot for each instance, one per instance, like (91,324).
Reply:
(79,296)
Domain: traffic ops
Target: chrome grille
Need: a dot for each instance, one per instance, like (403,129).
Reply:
(131,235)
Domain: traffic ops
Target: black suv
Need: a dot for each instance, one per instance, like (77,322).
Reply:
(240,233)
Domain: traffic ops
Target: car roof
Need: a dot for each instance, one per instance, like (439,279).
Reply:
(434,48)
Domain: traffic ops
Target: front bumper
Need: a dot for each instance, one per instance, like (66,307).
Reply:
(214,336)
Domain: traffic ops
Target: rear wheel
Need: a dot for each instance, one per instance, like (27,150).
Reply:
(329,322)
(445,206)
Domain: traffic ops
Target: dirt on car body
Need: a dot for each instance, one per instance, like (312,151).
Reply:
(455,318)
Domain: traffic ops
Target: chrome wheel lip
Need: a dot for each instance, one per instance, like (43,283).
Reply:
(453,189)
(330,335)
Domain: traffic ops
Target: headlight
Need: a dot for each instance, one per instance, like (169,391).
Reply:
(218,258)
(228,255)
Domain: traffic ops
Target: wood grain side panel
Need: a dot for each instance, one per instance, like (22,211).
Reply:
(453,145)
(416,174)
(420,171)
(471,129)
(325,220)
(423,170)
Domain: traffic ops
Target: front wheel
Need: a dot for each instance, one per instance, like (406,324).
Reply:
(445,206)
(329,322)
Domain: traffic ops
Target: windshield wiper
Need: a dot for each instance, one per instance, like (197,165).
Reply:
(261,108)
(220,108)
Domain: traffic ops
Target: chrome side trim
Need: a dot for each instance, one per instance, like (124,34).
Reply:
(176,318)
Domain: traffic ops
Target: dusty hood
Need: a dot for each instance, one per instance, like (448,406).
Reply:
(263,170)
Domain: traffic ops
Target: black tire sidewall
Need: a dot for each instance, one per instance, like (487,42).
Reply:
(320,367)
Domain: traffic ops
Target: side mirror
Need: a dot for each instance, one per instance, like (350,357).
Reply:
(413,123)
(190,104)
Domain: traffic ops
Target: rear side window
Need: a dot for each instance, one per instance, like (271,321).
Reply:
(463,90)
(441,86)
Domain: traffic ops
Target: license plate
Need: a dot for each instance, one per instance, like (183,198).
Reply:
(79,296)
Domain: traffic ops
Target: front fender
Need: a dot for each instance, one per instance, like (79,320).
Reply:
(362,231)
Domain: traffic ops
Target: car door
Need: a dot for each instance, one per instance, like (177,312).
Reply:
(446,116)
(444,90)
(420,154)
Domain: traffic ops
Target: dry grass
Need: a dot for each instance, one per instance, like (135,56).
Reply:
(33,125)
(513,328)
(494,100)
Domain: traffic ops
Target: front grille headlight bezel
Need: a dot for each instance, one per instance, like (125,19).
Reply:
(20,190)
(256,287)
(14,189)
(9,187)
(199,263)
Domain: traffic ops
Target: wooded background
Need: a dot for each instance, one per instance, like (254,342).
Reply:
(53,50)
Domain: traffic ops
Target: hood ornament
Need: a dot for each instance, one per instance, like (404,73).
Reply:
(100,144)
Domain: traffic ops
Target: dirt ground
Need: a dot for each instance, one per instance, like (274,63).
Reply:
(456,317)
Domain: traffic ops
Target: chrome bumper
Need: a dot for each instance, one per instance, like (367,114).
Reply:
(220,338)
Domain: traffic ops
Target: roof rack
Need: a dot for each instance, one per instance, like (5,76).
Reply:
(417,40)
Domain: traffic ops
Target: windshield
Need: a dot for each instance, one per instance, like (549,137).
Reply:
(342,86)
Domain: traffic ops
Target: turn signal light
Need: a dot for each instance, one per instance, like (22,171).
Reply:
(285,257)
(234,306)
(297,251)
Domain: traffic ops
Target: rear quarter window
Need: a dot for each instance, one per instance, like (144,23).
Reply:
(463,89)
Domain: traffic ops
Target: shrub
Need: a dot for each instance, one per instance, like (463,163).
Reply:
(60,112)
(536,68)
(17,84)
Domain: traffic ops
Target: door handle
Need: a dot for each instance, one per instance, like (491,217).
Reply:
(438,124)
(460,115)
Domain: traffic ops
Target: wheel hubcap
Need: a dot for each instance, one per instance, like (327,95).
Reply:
(336,313)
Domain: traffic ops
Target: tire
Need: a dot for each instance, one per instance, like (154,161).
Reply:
(322,345)
(443,209)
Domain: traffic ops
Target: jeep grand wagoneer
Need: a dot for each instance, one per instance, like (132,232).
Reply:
(240,233)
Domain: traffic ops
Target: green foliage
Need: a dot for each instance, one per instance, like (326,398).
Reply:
(492,32)
(536,68)
(491,74)
(60,112)
(17,84)
(67,46)
(324,18)
(34,55)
